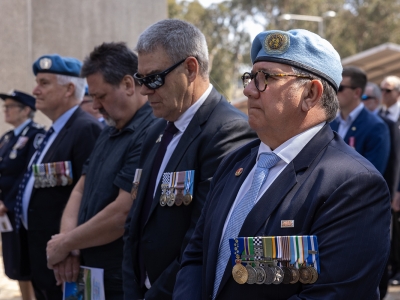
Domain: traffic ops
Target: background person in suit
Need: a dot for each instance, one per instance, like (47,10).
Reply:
(66,147)
(390,87)
(202,128)
(372,100)
(360,128)
(316,181)
(16,149)
(94,218)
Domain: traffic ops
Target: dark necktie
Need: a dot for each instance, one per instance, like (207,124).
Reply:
(27,175)
(169,133)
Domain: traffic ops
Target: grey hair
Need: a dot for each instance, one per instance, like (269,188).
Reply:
(179,39)
(79,84)
(329,100)
(394,80)
(375,90)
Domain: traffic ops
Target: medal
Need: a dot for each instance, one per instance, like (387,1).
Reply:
(171,198)
(36,176)
(269,274)
(189,175)
(312,258)
(278,275)
(239,272)
(13,154)
(68,168)
(305,275)
(251,279)
(180,185)
(284,246)
(295,275)
(163,197)
(135,184)
(64,179)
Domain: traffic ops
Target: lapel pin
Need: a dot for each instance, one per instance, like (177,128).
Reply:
(239,172)
(159,139)
(287,223)
(353,128)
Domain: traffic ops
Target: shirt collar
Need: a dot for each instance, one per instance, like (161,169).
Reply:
(292,147)
(353,115)
(183,121)
(394,109)
(19,129)
(63,119)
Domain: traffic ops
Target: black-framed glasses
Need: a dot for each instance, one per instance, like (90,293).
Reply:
(261,78)
(155,81)
(342,87)
(386,90)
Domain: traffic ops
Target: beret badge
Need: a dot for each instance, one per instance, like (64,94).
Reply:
(45,63)
(276,43)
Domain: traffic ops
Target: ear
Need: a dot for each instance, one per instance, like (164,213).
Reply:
(358,93)
(192,67)
(128,84)
(312,94)
(26,111)
(70,90)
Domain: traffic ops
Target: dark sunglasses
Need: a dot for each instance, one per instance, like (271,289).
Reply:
(342,87)
(155,81)
(261,78)
(366,97)
(386,90)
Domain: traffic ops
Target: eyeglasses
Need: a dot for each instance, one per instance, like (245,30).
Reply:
(342,87)
(386,90)
(261,78)
(8,106)
(155,81)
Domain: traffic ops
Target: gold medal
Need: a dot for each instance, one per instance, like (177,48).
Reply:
(295,275)
(305,275)
(239,272)
(171,199)
(187,199)
(179,197)
(314,275)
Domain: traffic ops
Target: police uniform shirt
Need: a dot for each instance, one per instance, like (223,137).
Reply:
(287,152)
(58,125)
(344,125)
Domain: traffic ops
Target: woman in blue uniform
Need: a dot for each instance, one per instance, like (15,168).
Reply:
(16,149)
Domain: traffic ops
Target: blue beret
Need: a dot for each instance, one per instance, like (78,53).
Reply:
(20,97)
(54,63)
(299,48)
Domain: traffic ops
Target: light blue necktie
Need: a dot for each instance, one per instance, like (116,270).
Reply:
(27,175)
(266,161)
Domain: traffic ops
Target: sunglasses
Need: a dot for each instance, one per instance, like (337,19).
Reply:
(386,90)
(366,97)
(155,81)
(261,78)
(342,87)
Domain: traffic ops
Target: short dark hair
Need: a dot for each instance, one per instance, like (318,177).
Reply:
(112,60)
(357,76)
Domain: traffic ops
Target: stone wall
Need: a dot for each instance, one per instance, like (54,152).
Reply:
(31,28)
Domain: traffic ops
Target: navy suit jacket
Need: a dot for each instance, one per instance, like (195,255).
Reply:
(73,143)
(216,129)
(372,138)
(330,191)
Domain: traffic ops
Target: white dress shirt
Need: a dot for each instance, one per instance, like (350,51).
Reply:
(394,112)
(287,152)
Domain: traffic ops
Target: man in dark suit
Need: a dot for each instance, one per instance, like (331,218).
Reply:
(300,178)
(56,166)
(372,99)
(359,128)
(94,218)
(177,165)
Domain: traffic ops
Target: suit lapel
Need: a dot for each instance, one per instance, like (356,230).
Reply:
(190,134)
(357,123)
(261,212)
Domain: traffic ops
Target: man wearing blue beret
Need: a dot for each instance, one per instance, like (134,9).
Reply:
(57,164)
(297,214)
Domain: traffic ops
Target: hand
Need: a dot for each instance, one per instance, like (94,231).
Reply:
(68,269)
(3,209)
(56,250)
(396,202)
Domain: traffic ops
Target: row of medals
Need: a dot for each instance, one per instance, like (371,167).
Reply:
(52,181)
(269,273)
(169,198)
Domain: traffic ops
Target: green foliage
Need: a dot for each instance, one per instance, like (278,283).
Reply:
(357,26)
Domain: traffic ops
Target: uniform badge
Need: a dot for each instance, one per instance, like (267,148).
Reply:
(159,139)
(239,172)
(276,43)
(353,128)
(38,140)
(45,63)
(287,223)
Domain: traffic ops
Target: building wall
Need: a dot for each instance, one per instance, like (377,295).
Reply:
(31,28)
